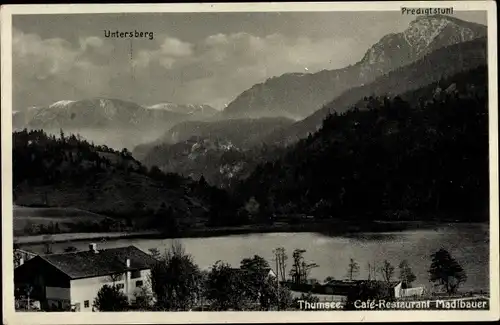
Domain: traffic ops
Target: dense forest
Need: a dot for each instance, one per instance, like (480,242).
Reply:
(216,159)
(422,155)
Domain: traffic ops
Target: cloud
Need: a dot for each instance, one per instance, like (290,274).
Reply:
(41,58)
(213,70)
(47,70)
(233,63)
(175,48)
(170,51)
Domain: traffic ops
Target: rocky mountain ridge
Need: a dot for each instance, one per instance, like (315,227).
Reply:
(298,95)
(441,63)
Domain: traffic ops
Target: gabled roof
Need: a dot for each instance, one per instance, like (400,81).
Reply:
(86,264)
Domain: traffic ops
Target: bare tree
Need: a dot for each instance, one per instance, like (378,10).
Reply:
(386,271)
(352,269)
(280,258)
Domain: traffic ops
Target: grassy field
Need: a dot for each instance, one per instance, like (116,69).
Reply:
(23,217)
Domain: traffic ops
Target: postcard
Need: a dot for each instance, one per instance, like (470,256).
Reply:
(249,162)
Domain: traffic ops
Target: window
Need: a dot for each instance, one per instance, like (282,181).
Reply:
(86,304)
(120,285)
(138,283)
(135,274)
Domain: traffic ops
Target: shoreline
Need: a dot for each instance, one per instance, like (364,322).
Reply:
(326,228)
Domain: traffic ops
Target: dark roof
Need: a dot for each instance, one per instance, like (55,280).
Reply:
(86,264)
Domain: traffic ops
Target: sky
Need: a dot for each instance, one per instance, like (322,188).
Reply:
(193,58)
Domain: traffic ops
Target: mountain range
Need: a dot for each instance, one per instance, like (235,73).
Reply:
(117,123)
(443,62)
(297,95)
(238,133)
(172,136)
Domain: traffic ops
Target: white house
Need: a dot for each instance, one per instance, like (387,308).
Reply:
(401,292)
(71,281)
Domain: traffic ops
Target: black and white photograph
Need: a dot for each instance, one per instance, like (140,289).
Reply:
(337,159)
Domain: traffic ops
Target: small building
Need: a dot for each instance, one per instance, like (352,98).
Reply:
(270,272)
(401,291)
(71,281)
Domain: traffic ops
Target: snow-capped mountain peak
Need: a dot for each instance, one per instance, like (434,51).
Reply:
(61,103)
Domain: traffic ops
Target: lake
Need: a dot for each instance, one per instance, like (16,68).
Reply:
(467,243)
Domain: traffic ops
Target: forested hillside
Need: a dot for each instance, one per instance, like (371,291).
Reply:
(220,162)
(420,155)
(66,171)
(221,151)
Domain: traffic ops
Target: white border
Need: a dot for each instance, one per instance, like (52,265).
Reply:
(11,317)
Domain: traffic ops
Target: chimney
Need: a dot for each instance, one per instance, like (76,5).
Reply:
(128,262)
(93,247)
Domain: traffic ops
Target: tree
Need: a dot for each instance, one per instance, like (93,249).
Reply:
(143,299)
(328,279)
(125,153)
(275,296)
(280,258)
(154,252)
(406,274)
(300,268)
(110,298)
(252,207)
(175,280)
(254,275)
(446,271)
(387,271)
(352,269)
(372,271)
(225,289)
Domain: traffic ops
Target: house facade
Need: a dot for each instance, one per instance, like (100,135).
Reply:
(71,281)
(400,291)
